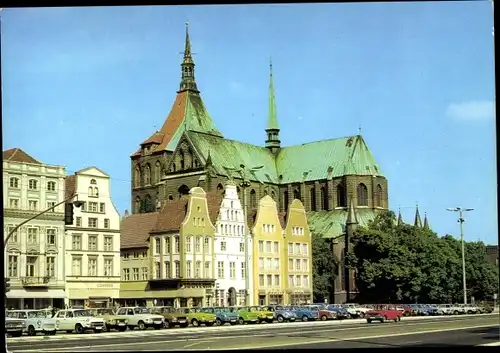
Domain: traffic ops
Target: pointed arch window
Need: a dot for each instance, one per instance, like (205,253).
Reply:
(253,199)
(285,201)
(137,176)
(341,196)
(137,205)
(324,198)
(147,174)
(313,199)
(148,204)
(183,190)
(362,192)
(220,189)
(273,195)
(378,196)
(296,194)
(181,159)
(158,170)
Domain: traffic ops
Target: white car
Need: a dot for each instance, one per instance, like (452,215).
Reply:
(78,320)
(356,310)
(141,318)
(35,321)
(14,327)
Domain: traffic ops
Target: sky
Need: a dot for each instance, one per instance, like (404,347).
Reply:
(85,86)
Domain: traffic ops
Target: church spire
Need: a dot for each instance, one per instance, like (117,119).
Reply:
(418,220)
(400,218)
(188,82)
(273,142)
(426,222)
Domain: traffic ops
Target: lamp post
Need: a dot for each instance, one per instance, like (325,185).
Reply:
(242,170)
(461,220)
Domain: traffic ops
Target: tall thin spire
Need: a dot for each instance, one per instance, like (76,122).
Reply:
(188,82)
(272,128)
(426,222)
(351,214)
(400,218)
(418,220)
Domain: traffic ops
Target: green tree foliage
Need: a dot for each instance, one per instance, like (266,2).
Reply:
(322,266)
(410,264)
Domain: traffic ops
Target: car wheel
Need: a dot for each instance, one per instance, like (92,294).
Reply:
(31,331)
(166,324)
(304,318)
(195,323)
(455,312)
(323,318)
(369,321)
(470,312)
(97,331)
(361,315)
(79,329)
(141,325)
(383,319)
(218,322)
(105,328)
(209,324)
(52,333)
(241,321)
(281,318)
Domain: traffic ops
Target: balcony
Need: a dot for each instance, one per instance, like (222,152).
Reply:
(35,282)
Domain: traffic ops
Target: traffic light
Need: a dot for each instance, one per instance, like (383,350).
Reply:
(68,213)
(7,285)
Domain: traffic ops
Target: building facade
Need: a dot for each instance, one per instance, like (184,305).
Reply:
(34,255)
(189,151)
(92,262)
(181,253)
(231,238)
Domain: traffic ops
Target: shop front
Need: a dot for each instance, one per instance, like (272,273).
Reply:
(300,298)
(92,295)
(35,299)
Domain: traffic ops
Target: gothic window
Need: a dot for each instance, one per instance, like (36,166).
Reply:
(148,204)
(265,192)
(253,199)
(170,197)
(273,195)
(137,176)
(147,175)
(378,196)
(181,159)
(173,167)
(341,197)
(313,199)
(137,204)
(220,189)
(324,198)
(362,191)
(342,271)
(158,170)
(285,201)
(196,163)
(183,190)
(296,194)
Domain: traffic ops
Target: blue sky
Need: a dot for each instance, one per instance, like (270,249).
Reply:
(84,86)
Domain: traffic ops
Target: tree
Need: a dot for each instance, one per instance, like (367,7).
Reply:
(323,265)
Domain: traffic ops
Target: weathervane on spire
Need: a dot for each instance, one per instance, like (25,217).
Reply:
(359,129)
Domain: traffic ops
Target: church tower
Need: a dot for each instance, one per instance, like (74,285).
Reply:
(273,142)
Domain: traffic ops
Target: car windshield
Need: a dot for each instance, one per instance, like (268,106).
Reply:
(223,310)
(104,311)
(82,313)
(11,314)
(209,310)
(139,311)
(36,314)
(312,308)
(254,309)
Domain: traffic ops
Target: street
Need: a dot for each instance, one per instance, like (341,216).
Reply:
(460,330)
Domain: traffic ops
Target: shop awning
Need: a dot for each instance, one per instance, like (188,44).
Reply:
(53,293)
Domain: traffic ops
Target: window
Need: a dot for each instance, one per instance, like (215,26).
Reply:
(324,198)
(253,199)
(269,280)
(51,186)
(32,235)
(78,221)
(220,269)
(177,244)
(51,204)
(144,273)
(13,237)
(277,280)
(13,265)
(243,270)
(135,274)
(276,264)
(232,270)
(157,246)
(14,203)
(291,281)
(268,246)
(206,245)
(305,265)
(198,244)
(102,207)
(313,198)
(167,245)
(276,247)
(261,246)
(76,266)
(297,249)
(269,263)
(207,270)
(92,242)
(378,196)
(14,183)
(222,246)
(92,207)
(33,205)
(261,280)
(197,269)
(261,263)
(305,249)
(290,264)
(106,223)
(50,266)
(298,280)
(177,269)
(92,222)
(93,182)
(126,274)
(158,270)
(297,264)
(31,266)
(242,247)
(305,281)
(76,242)
(290,248)
(33,184)
(108,267)
(341,196)
(189,266)
(92,266)
(108,243)
(362,192)
(51,236)
(188,244)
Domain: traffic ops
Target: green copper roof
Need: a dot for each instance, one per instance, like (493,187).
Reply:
(272,119)
(331,224)
(232,154)
(327,158)
(196,119)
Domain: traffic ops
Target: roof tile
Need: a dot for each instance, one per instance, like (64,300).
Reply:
(18,155)
(135,230)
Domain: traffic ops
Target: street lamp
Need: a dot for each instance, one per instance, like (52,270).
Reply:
(461,220)
(244,185)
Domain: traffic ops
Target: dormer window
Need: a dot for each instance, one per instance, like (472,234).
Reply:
(93,182)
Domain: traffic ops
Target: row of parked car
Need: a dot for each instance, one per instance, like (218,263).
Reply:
(32,322)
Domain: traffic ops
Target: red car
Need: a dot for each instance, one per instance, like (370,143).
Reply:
(382,315)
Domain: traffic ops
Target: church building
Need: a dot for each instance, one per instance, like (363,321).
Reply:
(338,180)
